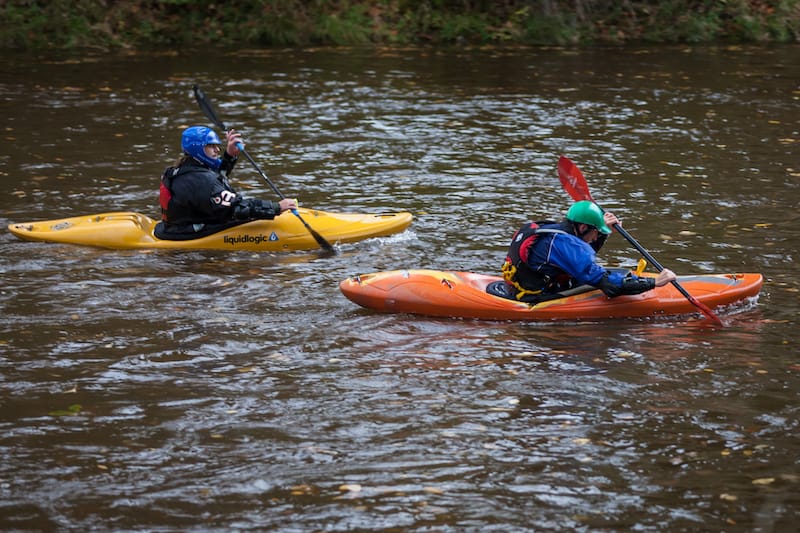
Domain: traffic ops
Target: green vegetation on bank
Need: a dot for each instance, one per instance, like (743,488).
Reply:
(146,24)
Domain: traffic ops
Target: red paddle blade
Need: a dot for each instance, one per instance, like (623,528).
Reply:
(698,304)
(572,180)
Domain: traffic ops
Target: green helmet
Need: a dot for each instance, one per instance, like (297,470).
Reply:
(586,212)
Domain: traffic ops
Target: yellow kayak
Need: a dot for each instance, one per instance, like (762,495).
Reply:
(124,230)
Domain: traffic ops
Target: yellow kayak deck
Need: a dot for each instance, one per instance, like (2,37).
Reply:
(126,230)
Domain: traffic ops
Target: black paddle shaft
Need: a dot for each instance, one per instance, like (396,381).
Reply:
(209,112)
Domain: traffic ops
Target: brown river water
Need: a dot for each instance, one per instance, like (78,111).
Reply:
(226,391)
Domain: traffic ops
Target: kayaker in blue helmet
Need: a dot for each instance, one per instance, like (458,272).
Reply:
(547,257)
(195,196)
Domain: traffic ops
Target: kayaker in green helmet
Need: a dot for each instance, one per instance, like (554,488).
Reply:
(547,257)
(196,198)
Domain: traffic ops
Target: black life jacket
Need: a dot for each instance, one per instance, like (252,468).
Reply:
(171,212)
(530,283)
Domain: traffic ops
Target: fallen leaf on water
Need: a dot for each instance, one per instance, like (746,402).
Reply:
(728,497)
(764,481)
(300,490)
(350,487)
(72,410)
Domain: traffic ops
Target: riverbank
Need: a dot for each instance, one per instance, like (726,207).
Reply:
(142,24)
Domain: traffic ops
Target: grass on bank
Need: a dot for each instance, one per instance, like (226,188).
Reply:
(143,24)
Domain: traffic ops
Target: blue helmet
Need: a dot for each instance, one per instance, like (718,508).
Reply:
(195,139)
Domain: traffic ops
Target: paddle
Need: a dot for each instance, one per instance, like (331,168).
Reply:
(205,105)
(575,184)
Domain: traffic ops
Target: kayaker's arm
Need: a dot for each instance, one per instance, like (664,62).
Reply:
(231,155)
(251,209)
(632,284)
(629,284)
(568,255)
(228,162)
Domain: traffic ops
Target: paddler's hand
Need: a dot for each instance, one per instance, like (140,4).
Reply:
(664,277)
(287,204)
(611,219)
(234,139)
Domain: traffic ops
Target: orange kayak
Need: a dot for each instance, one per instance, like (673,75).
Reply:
(463,295)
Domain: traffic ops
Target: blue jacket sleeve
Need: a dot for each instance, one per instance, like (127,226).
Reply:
(577,258)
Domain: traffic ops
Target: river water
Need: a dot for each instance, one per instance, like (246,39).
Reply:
(199,391)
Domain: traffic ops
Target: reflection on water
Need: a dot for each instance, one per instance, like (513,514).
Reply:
(208,390)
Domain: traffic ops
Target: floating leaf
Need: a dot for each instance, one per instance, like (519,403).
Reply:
(72,410)
(728,497)
(301,490)
(351,487)
(764,481)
